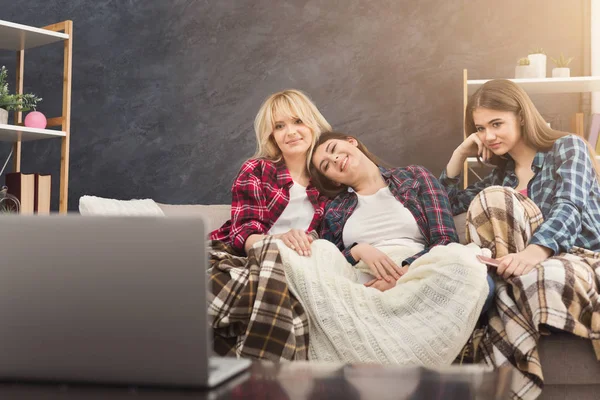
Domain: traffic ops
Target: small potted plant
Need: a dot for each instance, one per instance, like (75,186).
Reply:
(537,58)
(13,102)
(524,69)
(562,69)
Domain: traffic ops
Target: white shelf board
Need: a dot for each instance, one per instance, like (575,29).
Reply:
(12,133)
(576,84)
(21,37)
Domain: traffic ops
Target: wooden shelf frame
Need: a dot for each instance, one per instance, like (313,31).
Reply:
(579,84)
(21,37)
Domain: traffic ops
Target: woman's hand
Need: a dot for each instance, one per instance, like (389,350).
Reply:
(298,240)
(381,284)
(295,239)
(523,262)
(472,146)
(379,263)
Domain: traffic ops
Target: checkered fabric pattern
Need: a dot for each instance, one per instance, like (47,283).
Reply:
(418,190)
(561,292)
(260,193)
(251,310)
(564,188)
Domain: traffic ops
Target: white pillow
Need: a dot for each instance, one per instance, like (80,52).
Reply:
(92,205)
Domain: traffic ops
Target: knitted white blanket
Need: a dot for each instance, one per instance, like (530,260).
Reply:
(426,319)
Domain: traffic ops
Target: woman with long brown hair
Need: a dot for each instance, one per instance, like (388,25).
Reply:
(556,170)
(374,207)
(538,212)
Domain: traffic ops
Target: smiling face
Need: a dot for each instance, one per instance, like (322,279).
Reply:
(500,131)
(339,160)
(292,136)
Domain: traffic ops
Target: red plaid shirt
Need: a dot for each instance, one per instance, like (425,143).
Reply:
(260,193)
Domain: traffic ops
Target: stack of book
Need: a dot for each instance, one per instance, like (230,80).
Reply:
(32,190)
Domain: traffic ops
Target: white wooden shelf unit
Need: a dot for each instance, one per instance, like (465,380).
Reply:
(18,38)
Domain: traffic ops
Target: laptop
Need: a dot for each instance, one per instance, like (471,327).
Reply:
(107,300)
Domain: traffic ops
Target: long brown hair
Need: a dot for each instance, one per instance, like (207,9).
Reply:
(325,185)
(505,95)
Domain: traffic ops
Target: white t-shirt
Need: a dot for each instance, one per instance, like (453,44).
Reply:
(381,220)
(298,214)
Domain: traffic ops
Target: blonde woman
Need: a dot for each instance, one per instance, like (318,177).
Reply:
(272,194)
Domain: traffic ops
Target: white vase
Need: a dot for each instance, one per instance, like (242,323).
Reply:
(3,116)
(561,72)
(525,71)
(538,61)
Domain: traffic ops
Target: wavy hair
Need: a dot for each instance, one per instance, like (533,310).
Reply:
(295,104)
(505,95)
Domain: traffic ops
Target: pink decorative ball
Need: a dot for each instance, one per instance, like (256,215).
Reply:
(35,119)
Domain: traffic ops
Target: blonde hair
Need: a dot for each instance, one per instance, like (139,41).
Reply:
(292,103)
(505,95)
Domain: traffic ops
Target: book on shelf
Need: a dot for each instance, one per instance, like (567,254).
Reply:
(22,186)
(41,201)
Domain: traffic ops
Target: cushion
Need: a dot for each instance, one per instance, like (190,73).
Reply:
(92,205)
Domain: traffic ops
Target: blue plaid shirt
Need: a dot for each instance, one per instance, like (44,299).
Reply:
(564,187)
(418,190)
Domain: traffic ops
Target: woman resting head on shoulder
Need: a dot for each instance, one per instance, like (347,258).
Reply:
(272,193)
(552,170)
(375,206)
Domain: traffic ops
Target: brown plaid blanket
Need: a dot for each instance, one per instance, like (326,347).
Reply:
(562,292)
(251,310)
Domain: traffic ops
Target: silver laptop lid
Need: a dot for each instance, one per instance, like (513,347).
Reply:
(103,299)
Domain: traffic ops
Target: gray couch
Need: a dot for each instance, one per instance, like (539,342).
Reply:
(570,368)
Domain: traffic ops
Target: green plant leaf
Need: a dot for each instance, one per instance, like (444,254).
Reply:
(17,101)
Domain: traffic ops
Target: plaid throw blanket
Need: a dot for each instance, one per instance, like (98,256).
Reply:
(561,292)
(251,310)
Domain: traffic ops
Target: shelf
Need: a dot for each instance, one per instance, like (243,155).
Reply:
(21,37)
(575,84)
(17,38)
(12,133)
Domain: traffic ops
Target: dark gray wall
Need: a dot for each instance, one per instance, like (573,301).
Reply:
(165,92)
